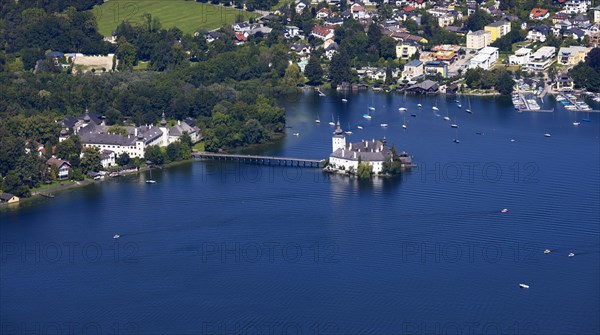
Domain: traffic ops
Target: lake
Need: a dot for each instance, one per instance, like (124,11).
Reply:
(225,248)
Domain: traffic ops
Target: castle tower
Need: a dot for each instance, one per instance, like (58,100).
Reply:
(339,139)
(165,131)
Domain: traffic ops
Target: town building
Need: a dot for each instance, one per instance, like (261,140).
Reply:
(412,70)
(108,158)
(478,39)
(538,34)
(62,166)
(576,6)
(596,14)
(485,58)
(425,87)
(323,33)
(435,67)
(573,55)
(498,29)
(541,59)
(405,50)
(521,57)
(7,198)
(539,14)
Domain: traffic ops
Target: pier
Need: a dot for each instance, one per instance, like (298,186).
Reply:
(263,160)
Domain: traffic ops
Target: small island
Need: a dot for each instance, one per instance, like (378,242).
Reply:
(365,159)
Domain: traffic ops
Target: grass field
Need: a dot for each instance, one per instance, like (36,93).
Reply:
(186,15)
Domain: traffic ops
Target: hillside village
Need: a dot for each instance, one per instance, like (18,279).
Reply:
(414,40)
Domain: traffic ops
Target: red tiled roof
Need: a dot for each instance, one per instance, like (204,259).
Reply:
(408,9)
(539,12)
(321,31)
(240,37)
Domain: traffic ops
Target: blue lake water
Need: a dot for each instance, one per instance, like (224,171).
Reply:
(223,248)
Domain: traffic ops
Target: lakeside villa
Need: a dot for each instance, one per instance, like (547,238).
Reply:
(346,156)
(94,133)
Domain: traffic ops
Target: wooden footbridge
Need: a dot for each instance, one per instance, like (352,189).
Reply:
(263,160)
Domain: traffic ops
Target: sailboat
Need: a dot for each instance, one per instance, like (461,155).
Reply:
(419,105)
(367,116)
(384,125)
(576,123)
(331,123)
(150,181)
(404,122)
(348,132)
(317,120)
(117,236)
(446,118)
(402,109)
(359,127)
(468,110)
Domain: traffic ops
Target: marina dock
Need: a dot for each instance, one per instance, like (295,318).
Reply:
(263,160)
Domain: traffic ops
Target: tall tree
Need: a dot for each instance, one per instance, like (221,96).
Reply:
(313,70)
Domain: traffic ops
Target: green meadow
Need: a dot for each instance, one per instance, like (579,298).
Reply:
(187,15)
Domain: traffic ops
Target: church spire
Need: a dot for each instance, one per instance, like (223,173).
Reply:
(163,122)
(338,129)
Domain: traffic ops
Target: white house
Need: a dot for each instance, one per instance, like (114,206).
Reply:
(291,31)
(521,57)
(358,11)
(485,58)
(108,158)
(412,70)
(576,6)
(541,59)
(538,34)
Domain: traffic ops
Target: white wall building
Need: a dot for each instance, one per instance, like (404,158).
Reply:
(521,57)
(541,59)
(485,58)
(478,39)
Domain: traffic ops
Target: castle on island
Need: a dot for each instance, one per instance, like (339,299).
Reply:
(346,156)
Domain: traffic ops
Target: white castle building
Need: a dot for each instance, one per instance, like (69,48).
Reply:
(346,155)
(94,133)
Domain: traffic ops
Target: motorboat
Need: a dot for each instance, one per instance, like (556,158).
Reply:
(459,106)
(547,251)
(384,125)
(512,140)
(404,126)
(413,115)
(576,123)
(344,100)
(359,127)
(504,210)
(296,134)
(150,181)
(116,236)
(402,109)
(456,140)
(523,286)
(454,125)
(547,135)
(571,254)
(348,132)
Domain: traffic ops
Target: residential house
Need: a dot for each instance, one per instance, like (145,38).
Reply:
(242,27)
(576,6)
(541,59)
(596,14)
(571,56)
(498,29)
(485,58)
(538,34)
(560,16)
(581,20)
(212,36)
(539,14)
(413,70)
(334,21)
(575,33)
(108,158)
(323,13)
(323,33)
(478,39)
(521,57)
(62,166)
(301,6)
(358,11)
(331,48)
(561,27)
(291,31)
(436,67)
(303,50)
(7,198)
(405,50)
(240,38)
